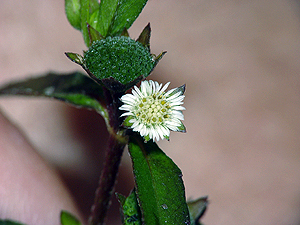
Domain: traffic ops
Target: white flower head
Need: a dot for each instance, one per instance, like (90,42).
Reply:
(153,112)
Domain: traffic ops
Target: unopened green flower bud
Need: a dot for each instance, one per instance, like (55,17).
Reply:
(118,62)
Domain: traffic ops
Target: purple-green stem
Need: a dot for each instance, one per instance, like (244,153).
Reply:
(114,151)
(107,181)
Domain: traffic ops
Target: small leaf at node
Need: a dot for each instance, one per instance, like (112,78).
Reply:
(126,122)
(130,209)
(121,198)
(197,208)
(74,57)
(94,35)
(159,57)
(180,89)
(144,37)
(182,128)
(125,33)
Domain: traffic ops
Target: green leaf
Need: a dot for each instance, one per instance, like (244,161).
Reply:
(94,19)
(121,198)
(126,122)
(180,89)
(126,14)
(94,35)
(106,14)
(115,15)
(130,208)
(109,18)
(74,57)
(181,128)
(144,37)
(72,8)
(85,16)
(94,6)
(197,209)
(67,218)
(10,222)
(159,57)
(74,88)
(159,184)
(78,13)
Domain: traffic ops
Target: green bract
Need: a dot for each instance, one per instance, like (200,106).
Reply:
(121,58)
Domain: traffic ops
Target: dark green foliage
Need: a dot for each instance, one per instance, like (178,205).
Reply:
(10,222)
(159,184)
(130,209)
(115,15)
(72,8)
(74,88)
(109,18)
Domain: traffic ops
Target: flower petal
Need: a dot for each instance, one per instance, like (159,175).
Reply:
(153,112)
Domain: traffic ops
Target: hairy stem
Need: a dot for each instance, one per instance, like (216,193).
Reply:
(107,181)
(114,151)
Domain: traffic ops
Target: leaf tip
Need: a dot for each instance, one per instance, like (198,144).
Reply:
(74,57)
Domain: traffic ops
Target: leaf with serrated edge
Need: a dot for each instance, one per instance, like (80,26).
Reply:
(74,88)
(159,184)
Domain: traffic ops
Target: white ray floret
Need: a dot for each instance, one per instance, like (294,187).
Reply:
(153,112)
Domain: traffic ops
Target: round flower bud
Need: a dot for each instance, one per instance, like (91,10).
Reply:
(118,61)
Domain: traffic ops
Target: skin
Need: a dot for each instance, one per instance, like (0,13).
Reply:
(240,62)
(25,178)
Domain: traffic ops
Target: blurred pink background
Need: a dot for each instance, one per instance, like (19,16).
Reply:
(240,63)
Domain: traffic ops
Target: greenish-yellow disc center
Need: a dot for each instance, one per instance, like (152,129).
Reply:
(152,110)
